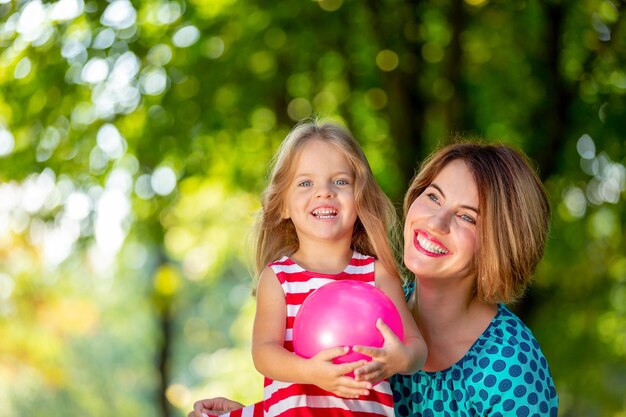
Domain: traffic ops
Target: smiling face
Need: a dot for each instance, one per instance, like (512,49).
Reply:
(440,232)
(319,200)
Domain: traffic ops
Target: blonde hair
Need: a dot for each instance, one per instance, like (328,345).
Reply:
(276,236)
(514,213)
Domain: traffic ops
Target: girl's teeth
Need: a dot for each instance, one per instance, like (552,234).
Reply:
(430,246)
(325,214)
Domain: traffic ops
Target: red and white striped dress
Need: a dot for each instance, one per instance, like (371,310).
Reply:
(282,399)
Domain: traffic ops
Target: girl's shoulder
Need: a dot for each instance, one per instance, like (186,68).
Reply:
(285,269)
(360,259)
(281,262)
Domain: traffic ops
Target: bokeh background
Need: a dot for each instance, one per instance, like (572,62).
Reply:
(135,138)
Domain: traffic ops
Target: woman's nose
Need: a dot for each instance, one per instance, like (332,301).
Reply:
(439,222)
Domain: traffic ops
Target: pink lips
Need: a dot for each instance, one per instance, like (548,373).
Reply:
(425,235)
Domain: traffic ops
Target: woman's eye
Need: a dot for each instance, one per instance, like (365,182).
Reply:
(306,183)
(342,182)
(433,197)
(467,218)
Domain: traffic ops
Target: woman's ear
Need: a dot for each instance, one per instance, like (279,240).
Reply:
(284,213)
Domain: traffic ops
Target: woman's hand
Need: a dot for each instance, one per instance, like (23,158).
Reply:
(386,361)
(332,377)
(214,406)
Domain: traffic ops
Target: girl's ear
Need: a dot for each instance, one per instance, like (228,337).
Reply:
(284,213)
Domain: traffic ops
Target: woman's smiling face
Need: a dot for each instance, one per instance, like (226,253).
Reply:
(440,230)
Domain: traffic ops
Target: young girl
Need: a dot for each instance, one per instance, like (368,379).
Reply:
(324,218)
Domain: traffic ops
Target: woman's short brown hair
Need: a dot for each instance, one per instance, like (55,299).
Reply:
(514,212)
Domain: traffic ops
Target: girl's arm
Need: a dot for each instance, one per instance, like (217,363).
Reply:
(395,356)
(275,362)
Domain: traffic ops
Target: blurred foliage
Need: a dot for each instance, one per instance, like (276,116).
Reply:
(134,141)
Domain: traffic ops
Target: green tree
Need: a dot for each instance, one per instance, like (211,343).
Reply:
(135,137)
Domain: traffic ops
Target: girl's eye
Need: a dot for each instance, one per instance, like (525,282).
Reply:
(467,218)
(342,182)
(306,183)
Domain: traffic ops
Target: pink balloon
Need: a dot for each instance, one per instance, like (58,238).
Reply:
(343,313)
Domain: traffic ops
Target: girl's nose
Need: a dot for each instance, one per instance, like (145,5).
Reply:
(324,191)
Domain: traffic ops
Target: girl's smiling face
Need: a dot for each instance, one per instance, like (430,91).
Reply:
(440,231)
(320,197)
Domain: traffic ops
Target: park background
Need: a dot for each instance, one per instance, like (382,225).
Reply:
(134,143)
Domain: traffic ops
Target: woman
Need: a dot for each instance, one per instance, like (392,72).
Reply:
(476,221)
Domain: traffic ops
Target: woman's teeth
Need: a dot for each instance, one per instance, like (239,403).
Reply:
(430,246)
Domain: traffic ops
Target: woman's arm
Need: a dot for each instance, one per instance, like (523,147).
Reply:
(213,407)
(275,362)
(395,356)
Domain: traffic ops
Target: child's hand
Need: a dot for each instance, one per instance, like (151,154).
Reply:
(386,361)
(332,377)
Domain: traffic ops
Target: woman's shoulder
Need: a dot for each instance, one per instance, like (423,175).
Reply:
(507,341)
(507,334)
(508,362)
(504,371)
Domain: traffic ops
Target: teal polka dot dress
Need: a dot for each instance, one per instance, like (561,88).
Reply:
(503,374)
